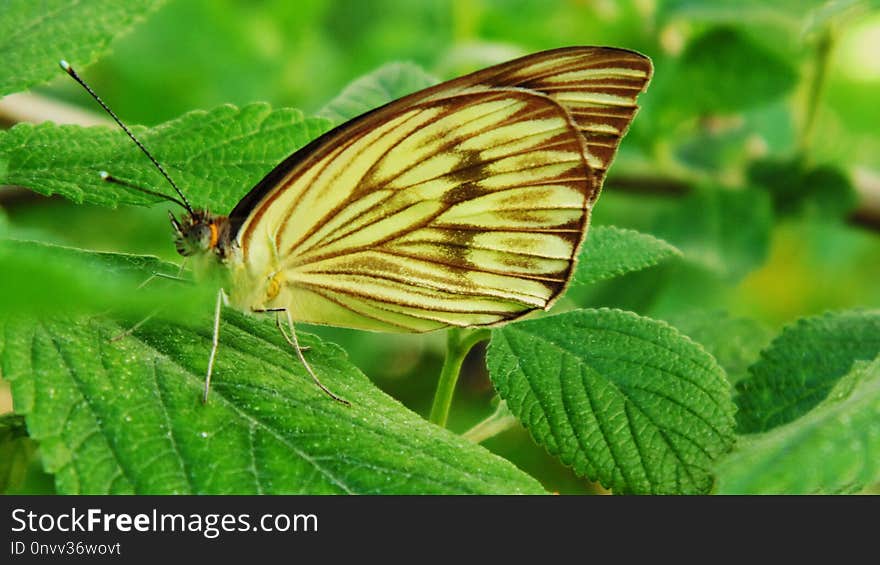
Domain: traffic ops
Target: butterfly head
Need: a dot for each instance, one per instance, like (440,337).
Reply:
(201,232)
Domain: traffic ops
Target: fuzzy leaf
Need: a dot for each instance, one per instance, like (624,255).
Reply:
(215,157)
(385,84)
(802,365)
(623,399)
(609,252)
(834,448)
(126,417)
(34,36)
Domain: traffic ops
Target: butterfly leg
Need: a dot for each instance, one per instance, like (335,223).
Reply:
(131,330)
(215,340)
(275,311)
(294,342)
(151,315)
(158,275)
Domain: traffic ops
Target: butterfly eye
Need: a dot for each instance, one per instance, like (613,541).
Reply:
(200,237)
(195,238)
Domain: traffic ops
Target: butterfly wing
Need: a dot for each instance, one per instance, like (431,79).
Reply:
(464,204)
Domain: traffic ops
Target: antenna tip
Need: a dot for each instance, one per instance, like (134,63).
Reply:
(65,65)
(104,175)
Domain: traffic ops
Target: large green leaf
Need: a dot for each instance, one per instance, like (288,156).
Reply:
(623,399)
(802,365)
(215,157)
(35,35)
(835,448)
(609,252)
(126,416)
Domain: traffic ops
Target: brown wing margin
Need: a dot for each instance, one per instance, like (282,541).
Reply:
(597,85)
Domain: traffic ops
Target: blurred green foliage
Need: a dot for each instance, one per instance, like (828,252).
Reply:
(750,155)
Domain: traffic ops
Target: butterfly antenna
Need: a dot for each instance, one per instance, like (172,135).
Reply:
(183,201)
(107,177)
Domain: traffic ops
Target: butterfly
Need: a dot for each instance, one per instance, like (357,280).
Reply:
(464,204)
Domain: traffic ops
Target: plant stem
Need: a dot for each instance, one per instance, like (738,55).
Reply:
(458,343)
(499,421)
(820,72)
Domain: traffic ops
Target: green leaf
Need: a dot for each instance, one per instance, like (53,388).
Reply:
(41,279)
(833,449)
(713,149)
(802,365)
(16,452)
(724,231)
(734,342)
(793,186)
(725,71)
(831,194)
(836,13)
(34,36)
(623,399)
(385,84)
(126,417)
(787,13)
(783,179)
(215,157)
(609,252)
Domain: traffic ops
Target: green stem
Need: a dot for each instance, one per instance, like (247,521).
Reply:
(817,84)
(458,343)
(499,421)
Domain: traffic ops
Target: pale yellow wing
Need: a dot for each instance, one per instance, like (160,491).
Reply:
(462,205)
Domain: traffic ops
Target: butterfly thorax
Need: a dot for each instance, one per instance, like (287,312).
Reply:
(203,233)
